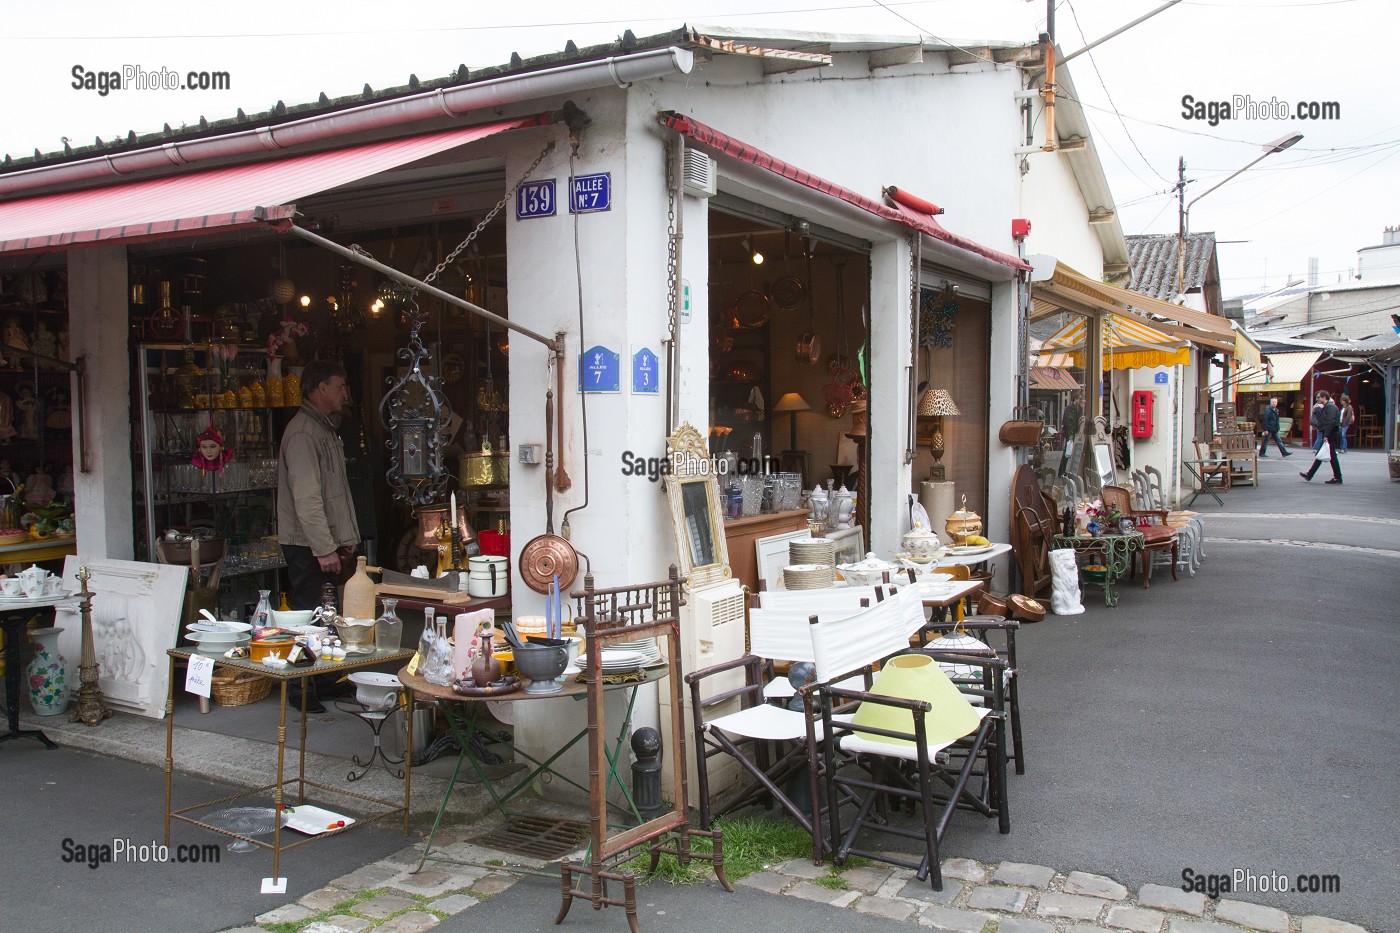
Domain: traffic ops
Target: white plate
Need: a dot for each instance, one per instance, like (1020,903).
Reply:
(218,627)
(962,550)
(314,820)
(25,600)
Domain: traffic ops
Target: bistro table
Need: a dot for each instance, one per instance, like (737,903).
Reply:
(1201,485)
(15,613)
(1116,552)
(462,711)
(993,551)
(282,677)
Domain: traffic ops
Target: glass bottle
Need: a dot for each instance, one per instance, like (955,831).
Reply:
(262,615)
(388,628)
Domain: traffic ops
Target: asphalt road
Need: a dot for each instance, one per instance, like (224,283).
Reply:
(1244,718)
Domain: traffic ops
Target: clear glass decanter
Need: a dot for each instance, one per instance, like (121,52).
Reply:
(388,628)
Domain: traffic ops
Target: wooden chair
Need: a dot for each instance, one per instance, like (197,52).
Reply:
(1158,536)
(1214,468)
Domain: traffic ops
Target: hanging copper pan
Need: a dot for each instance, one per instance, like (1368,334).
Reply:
(548,555)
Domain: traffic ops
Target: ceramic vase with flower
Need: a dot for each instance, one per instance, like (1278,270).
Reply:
(48,674)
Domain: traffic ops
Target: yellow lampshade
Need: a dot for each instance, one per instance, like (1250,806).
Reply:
(917,677)
(791,401)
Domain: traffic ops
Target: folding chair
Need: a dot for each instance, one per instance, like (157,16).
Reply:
(976,631)
(857,636)
(881,745)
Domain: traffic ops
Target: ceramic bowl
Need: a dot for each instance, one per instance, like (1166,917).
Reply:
(214,644)
(291,618)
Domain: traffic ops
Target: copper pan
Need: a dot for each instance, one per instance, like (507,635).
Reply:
(548,555)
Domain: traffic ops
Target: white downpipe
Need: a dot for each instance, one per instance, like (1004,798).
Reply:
(385,114)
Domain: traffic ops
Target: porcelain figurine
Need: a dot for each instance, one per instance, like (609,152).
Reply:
(45,343)
(1064,579)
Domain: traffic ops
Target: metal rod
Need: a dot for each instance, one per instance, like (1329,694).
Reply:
(406,279)
(1119,31)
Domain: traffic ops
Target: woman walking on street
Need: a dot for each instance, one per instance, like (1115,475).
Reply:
(1348,419)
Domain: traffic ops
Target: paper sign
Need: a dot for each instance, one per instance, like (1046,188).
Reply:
(274,886)
(199,675)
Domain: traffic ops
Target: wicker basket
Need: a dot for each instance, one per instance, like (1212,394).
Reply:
(239,688)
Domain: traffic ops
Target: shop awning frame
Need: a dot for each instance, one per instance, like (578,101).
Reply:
(1126,342)
(1067,290)
(725,145)
(218,199)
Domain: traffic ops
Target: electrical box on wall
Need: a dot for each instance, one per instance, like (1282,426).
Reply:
(529,453)
(1142,413)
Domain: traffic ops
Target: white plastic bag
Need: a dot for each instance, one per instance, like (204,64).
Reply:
(1324,453)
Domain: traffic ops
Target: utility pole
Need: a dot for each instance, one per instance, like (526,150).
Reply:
(1181,225)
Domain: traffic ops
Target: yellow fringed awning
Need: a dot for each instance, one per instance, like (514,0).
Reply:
(1128,344)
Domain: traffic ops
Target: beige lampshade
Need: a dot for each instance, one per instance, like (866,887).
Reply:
(791,401)
(937,403)
(917,677)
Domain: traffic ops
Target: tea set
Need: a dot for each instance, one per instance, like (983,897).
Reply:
(34,583)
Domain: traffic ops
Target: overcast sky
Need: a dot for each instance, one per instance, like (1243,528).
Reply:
(1331,194)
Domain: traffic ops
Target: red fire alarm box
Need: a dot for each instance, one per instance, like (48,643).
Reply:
(1142,413)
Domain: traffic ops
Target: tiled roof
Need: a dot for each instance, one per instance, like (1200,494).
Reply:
(1153,261)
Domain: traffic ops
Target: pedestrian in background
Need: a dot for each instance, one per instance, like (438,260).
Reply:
(1269,424)
(1348,419)
(1327,421)
(1318,401)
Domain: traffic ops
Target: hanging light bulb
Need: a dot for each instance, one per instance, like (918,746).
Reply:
(754,254)
(306,301)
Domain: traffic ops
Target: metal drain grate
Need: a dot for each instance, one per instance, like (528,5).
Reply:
(536,837)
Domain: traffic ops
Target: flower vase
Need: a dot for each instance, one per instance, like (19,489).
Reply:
(48,674)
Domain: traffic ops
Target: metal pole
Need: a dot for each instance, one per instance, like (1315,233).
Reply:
(406,279)
(1119,31)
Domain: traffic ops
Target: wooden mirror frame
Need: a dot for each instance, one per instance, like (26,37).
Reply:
(688,455)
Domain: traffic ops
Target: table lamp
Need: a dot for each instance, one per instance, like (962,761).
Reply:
(937,404)
(792,402)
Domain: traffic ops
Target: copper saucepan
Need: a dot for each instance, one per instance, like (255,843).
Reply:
(548,555)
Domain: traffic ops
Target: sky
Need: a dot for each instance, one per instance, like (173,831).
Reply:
(1332,193)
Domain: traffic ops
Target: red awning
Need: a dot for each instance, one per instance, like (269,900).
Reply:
(718,142)
(212,199)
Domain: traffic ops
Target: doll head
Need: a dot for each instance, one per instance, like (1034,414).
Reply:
(210,452)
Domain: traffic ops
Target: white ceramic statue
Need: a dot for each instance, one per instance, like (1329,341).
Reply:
(1064,578)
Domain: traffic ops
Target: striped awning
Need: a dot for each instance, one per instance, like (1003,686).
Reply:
(1282,372)
(1127,344)
(1052,379)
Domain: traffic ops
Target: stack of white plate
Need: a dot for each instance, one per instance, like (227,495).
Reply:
(808,576)
(812,551)
(617,661)
(646,647)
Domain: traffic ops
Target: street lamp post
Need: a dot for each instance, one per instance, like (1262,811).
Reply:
(1184,226)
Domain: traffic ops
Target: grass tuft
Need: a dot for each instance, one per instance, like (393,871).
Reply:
(833,881)
(750,844)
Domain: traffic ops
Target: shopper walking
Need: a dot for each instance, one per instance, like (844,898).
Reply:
(1269,425)
(1318,401)
(1348,419)
(1327,421)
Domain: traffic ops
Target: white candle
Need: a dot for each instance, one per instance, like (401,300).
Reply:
(452,520)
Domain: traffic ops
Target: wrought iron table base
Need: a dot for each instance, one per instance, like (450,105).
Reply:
(1116,552)
(375,719)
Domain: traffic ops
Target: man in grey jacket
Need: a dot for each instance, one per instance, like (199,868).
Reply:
(315,514)
(1327,420)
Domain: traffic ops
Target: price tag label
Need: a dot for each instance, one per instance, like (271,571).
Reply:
(199,676)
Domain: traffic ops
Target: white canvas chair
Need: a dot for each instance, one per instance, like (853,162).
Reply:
(852,637)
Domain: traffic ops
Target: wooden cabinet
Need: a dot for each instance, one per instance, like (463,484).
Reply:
(741,533)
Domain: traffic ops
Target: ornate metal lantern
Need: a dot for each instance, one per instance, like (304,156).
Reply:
(413,412)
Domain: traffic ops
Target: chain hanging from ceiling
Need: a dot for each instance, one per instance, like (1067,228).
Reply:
(415,409)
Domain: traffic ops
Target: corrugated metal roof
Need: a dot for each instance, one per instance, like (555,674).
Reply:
(1152,258)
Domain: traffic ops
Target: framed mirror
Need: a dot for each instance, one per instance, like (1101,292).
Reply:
(1103,464)
(696,518)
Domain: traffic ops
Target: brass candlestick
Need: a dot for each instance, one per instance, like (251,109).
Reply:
(90,708)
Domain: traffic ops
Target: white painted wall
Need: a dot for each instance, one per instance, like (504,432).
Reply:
(98,327)
(1051,201)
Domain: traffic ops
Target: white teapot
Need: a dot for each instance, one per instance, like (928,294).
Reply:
(33,580)
(869,572)
(921,544)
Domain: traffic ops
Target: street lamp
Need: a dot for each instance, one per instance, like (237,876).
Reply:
(1277,145)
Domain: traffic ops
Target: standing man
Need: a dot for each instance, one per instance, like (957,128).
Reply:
(1270,426)
(1327,421)
(315,513)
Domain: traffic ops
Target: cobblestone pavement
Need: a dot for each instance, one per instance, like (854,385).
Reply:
(977,897)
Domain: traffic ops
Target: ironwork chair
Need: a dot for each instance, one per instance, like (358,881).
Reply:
(981,627)
(866,765)
(853,637)
(1159,538)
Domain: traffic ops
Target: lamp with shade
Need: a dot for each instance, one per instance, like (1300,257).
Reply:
(937,404)
(793,459)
